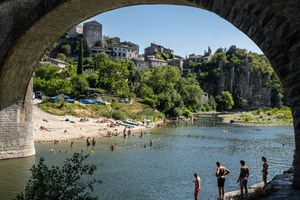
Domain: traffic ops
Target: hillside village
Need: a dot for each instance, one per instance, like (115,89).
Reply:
(95,42)
(247,76)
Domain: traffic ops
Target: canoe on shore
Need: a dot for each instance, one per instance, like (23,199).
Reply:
(126,122)
(123,124)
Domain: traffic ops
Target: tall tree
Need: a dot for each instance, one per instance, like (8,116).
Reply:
(80,58)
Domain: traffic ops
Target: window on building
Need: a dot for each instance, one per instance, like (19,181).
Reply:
(96,32)
(123,49)
(119,49)
(129,55)
(119,54)
(123,54)
(90,31)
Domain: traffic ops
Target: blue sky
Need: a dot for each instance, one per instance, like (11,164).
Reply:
(184,29)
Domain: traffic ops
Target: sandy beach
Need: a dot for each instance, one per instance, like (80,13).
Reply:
(66,131)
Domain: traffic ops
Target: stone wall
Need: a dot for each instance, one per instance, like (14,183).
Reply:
(16,128)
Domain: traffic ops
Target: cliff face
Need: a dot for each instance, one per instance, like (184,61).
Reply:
(256,90)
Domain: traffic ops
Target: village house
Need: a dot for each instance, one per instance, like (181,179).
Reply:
(140,63)
(150,51)
(54,63)
(76,31)
(197,58)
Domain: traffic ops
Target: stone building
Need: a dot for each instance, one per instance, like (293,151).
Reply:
(197,58)
(116,51)
(140,63)
(156,62)
(76,31)
(92,34)
(204,97)
(54,63)
(123,52)
(150,51)
(177,61)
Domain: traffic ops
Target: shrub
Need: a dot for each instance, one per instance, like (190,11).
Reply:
(274,110)
(265,109)
(60,183)
(186,112)
(148,101)
(120,115)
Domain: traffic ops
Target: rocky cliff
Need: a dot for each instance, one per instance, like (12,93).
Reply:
(256,89)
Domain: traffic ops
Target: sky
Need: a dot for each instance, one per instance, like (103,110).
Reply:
(185,30)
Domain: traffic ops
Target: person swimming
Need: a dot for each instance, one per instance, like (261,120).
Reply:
(112,147)
(72,144)
(93,141)
(151,143)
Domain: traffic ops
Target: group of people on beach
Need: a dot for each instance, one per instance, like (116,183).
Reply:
(223,171)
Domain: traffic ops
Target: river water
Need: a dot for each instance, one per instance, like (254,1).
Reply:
(165,170)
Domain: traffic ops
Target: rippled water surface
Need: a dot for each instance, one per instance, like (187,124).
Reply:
(165,170)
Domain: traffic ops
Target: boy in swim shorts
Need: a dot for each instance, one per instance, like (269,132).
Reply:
(197,185)
(243,178)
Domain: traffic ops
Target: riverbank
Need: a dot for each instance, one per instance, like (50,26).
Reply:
(280,187)
(266,117)
(67,130)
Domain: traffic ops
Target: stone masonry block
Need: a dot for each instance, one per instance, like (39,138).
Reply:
(266,16)
(280,60)
(258,9)
(249,7)
(247,24)
(294,51)
(277,21)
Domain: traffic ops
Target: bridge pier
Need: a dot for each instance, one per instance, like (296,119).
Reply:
(16,128)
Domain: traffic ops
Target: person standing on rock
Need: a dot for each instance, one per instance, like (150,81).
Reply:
(243,178)
(197,185)
(220,174)
(265,169)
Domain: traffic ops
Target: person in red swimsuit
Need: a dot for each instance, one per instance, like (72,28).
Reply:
(197,185)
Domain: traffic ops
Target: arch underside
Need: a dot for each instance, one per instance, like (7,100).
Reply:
(29,27)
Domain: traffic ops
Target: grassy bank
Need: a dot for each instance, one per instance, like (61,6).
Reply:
(117,110)
(266,116)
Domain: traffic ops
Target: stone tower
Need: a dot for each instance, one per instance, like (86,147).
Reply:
(92,33)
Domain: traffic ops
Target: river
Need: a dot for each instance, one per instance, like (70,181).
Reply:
(165,170)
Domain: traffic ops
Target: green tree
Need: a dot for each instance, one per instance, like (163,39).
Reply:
(79,84)
(112,77)
(80,58)
(47,72)
(69,71)
(110,41)
(61,56)
(146,92)
(212,102)
(225,100)
(101,58)
(238,99)
(93,80)
(60,183)
(66,48)
(44,57)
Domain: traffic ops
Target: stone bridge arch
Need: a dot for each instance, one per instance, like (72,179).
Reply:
(28,27)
